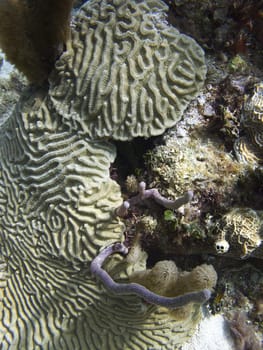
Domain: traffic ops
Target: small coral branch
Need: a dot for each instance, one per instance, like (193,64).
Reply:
(155,195)
(137,289)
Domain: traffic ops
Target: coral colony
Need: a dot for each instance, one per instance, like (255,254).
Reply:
(127,73)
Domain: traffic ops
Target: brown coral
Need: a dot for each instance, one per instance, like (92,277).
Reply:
(32,34)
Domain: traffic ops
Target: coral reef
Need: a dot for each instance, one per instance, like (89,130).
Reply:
(234,26)
(239,291)
(127,73)
(195,155)
(200,153)
(32,34)
(165,279)
(57,201)
(153,193)
(202,276)
(159,279)
(195,162)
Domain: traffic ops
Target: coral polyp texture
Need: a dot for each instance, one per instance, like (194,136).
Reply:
(130,74)
(249,148)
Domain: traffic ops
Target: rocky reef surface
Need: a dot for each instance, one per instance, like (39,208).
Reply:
(215,150)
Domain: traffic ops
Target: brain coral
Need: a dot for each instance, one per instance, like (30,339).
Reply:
(242,229)
(57,201)
(130,74)
(249,148)
(57,210)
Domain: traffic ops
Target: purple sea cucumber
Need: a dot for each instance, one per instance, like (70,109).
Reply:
(154,194)
(137,289)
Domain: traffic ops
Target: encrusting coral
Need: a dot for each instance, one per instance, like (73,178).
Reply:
(33,33)
(57,201)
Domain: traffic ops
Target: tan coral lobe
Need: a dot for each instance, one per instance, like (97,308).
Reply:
(159,278)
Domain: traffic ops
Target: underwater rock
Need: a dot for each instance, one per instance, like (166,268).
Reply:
(197,162)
